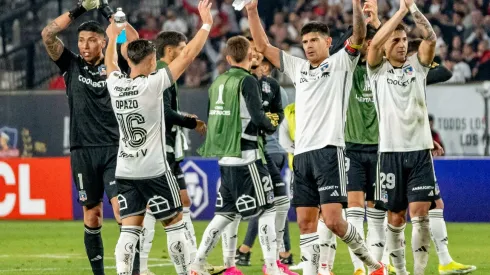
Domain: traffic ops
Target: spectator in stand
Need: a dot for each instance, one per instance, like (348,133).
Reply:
(457,43)
(150,29)
(477,36)
(469,56)
(57,83)
(227,8)
(460,69)
(476,18)
(279,29)
(174,23)
(482,69)
(195,73)
(435,135)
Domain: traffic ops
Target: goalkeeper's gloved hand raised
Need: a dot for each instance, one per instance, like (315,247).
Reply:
(105,9)
(82,7)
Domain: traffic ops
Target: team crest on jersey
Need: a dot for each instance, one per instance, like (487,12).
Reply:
(324,67)
(266,87)
(102,70)
(408,70)
(82,195)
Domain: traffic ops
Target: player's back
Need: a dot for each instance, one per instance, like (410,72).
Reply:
(399,95)
(138,105)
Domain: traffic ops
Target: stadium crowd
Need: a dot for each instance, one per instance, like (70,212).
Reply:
(462,27)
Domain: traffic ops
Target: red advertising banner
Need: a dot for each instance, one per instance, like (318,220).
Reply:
(35,188)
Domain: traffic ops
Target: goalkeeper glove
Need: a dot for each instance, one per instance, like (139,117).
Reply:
(82,7)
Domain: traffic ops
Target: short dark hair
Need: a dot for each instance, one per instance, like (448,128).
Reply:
(237,47)
(413,45)
(401,27)
(139,50)
(91,26)
(168,38)
(370,32)
(431,117)
(315,26)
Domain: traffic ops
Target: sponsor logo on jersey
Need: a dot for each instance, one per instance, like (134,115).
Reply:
(88,81)
(400,82)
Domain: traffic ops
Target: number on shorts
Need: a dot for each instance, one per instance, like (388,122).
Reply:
(221,88)
(389,179)
(132,136)
(267,183)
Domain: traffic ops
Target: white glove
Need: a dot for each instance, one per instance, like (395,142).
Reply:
(90,4)
(240,4)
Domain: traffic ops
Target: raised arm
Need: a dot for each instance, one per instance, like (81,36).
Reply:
(376,51)
(52,43)
(111,52)
(260,38)
(359,26)
(189,53)
(427,48)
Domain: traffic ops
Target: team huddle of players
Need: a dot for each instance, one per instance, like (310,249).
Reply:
(358,130)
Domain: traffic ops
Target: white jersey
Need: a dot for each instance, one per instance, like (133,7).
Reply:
(138,105)
(399,95)
(322,94)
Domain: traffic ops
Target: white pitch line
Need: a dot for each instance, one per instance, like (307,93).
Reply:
(68,256)
(59,269)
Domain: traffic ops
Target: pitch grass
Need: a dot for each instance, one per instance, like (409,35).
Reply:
(57,248)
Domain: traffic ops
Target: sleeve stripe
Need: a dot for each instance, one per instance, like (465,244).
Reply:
(169,74)
(281,59)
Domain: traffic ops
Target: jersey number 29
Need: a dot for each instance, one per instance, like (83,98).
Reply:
(132,136)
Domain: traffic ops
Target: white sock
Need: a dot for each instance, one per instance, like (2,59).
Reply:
(376,232)
(282,207)
(267,237)
(328,246)
(386,253)
(310,253)
(229,240)
(355,242)
(146,240)
(190,234)
(395,243)
(177,246)
(211,235)
(355,216)
(439,235)
(126,248)
(420,243)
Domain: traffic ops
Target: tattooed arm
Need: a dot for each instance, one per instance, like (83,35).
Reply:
(52,43)
(427,48)
(359,26)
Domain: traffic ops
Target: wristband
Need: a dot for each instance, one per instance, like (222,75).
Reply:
(106,11)
(76,12)
(413,8)
(357,47)
(206,27)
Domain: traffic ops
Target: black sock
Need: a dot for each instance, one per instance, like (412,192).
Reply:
(136,262)
(95,249)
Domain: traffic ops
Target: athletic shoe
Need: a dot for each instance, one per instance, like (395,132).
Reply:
(456,268)
(242,259)
(233,271)
(288,260)
(285,269)
(198,269)
(381,271)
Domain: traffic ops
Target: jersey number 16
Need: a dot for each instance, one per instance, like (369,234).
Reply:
(132,136)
